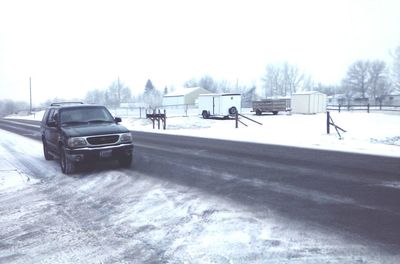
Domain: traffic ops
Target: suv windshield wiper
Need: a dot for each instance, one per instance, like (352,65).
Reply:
(99,121)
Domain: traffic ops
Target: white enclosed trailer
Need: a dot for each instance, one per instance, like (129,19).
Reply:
(219,105)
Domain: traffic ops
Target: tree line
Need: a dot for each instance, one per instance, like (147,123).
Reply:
(373,79)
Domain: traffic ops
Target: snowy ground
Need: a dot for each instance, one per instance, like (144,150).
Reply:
(121,216)
(371,133)
(109,216)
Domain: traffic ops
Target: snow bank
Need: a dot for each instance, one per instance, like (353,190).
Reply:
(369,133)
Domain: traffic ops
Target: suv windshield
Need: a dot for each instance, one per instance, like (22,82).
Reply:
(84,115)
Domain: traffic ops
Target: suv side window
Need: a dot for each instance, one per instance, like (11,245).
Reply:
(52,116)
(45,116)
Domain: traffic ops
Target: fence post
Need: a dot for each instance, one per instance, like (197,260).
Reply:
(328,122)
(339,108)
(368,108)
(165,119)
(158,119)
(154,124)
(348,106)
(237,119)
(380,104)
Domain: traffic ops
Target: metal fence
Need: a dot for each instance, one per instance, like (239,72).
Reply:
(366,107)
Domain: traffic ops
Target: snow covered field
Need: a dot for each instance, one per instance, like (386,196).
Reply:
(370,133)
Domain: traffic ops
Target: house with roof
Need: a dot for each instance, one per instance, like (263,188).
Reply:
(183,96)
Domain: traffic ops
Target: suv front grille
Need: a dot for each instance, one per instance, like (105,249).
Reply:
(102,140)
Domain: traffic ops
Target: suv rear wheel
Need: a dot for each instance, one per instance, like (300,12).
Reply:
(67,166)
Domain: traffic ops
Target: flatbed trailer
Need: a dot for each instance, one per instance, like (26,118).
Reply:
(270,105)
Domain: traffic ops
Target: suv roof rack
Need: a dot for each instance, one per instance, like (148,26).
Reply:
(65,103)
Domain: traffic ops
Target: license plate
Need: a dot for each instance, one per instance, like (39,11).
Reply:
(106,153)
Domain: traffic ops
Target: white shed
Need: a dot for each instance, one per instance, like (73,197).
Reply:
(311,102)
(183,96)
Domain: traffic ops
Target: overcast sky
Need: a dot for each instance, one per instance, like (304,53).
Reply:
(70,47)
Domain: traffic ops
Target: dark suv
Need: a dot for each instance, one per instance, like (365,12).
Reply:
(80,133)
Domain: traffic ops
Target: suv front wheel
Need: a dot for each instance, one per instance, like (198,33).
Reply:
(125,161)
(67,166)
(46,153)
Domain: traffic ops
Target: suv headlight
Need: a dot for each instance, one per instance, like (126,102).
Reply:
(76,142)
(125,138)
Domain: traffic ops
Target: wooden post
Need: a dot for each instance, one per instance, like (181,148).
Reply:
(158,119)
(154,112)
(237,119)
(368,108)
(165,120)
(339,108)
(328,118)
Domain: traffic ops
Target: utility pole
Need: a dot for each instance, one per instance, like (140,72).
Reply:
(119,93)
(30,95)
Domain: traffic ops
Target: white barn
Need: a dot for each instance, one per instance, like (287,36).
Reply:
(183,96)
(311,102)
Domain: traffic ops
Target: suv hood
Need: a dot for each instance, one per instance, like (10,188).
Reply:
(91,130)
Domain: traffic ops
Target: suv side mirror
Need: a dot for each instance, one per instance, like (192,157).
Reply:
(51,123)
(118,119)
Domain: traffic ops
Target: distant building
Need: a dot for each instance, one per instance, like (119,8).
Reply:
(392,99)
(337,99)
(183,96)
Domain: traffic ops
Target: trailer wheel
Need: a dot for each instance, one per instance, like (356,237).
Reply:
(275,112)
(205,114)
(258,112)
(232,110)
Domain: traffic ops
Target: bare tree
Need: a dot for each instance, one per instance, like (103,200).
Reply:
(212,85)
(282,80)
(396,70)
(117,93)
(8,107)
(248,95)
(96,96)
(308,83)
(207,82)
(191,83)
(152,98)
(292,78)
(149,87)
(378,83)
(271,80)
(357,79)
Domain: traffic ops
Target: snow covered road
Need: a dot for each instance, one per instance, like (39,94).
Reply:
(196,214)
